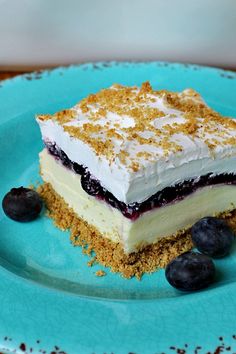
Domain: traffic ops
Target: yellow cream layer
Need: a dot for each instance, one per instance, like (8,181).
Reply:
(149,227)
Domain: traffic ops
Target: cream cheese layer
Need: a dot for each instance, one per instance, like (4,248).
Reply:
(149,227)
(133,158)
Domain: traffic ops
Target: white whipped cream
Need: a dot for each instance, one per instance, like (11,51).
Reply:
(129,186)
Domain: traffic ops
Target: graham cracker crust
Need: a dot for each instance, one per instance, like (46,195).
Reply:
(111,254)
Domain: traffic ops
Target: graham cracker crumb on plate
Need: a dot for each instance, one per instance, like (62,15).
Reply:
(111,254)
(91,262)
(100,273)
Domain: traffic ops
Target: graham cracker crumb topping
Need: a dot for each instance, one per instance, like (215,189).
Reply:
(145,123)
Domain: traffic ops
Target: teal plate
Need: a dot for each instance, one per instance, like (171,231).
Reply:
(50,300)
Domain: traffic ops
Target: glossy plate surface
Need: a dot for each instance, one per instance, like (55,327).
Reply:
(50,299)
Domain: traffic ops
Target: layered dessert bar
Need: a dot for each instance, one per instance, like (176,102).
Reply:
(138,166)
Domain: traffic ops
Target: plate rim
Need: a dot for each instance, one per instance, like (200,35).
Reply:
(33,76)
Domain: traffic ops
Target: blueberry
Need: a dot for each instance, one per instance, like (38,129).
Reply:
(64,159)
(212,236)
(52,149)
(131,211)
(115,203)
(190,271)
(22,204)
(91,185)
(78,168)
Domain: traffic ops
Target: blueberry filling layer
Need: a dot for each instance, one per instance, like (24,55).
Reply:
(133,210)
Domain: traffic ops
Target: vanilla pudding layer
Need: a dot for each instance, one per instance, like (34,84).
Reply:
(152,225)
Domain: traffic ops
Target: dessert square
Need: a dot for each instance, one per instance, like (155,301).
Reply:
(134,168)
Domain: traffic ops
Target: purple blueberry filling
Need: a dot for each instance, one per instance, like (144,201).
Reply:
(61,155)
(133,210)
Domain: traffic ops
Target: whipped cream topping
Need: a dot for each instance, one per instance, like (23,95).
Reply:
(138,148)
